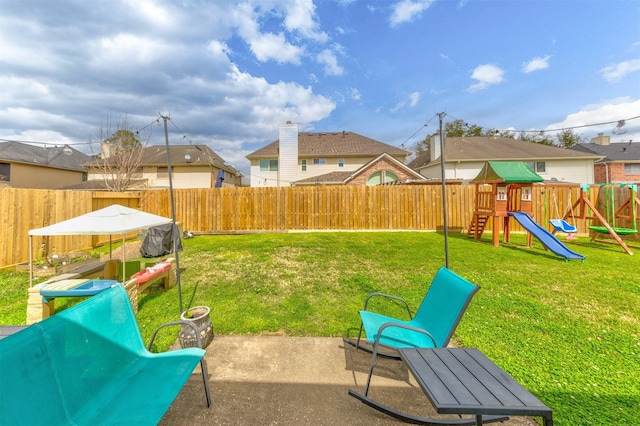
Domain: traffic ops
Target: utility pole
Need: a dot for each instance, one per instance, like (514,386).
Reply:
(444,193)
(174,228)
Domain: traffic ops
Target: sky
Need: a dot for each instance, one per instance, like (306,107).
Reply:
(227,73)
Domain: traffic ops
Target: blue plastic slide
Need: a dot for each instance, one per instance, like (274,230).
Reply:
(546,238)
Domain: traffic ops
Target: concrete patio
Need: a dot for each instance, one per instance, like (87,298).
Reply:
(277,380)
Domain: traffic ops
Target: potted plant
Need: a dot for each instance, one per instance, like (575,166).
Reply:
(198,316)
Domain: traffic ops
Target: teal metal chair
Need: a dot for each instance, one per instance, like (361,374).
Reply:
(88,365)
(432,326)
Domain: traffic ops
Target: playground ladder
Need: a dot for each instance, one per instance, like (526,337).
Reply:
(476,228)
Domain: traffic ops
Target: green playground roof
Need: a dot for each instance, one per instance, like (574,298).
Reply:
(507,172)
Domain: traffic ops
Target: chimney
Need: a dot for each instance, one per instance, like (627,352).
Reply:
(288,154)
(106,150)
(434,147)
(601,139)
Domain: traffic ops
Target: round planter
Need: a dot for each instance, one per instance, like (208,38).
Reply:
(198,316)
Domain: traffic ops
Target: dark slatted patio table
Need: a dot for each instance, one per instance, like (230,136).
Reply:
(465,381)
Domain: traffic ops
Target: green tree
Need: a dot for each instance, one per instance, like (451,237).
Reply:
(568,138)
(536,137)
(459,128)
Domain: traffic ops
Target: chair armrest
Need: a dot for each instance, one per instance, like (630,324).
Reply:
(167,324)
(391,297)
(407,327)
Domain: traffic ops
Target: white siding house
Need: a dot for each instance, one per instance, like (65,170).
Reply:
(465,157)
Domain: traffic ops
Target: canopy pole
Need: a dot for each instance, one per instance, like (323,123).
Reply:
(124,257)
(30,260)
(174,237)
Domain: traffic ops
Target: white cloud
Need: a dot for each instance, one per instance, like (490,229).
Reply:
(330,62)
(414,98)
(616,72)
(300,16)
(407,11)
(355,94)
(607,111)
(536,64)
(124,50)
(265,46)
(486,75)
(275,47)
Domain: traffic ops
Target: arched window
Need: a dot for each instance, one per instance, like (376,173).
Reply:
(383,176)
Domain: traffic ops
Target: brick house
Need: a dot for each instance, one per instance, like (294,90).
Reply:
(620,162)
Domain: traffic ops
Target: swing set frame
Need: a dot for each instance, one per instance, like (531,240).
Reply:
(583,206)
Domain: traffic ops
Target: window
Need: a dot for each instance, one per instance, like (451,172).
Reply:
(5,172)
(629,168)
(384,176)
(136,173)
(319,161)
(340,162)
(162,173)
(268,165)
(537,166)
(304,165)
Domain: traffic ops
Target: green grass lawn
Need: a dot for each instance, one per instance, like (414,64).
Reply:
(568,331)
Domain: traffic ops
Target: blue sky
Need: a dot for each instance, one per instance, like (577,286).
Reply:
(228,73)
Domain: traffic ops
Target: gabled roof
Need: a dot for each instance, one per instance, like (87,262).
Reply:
(628,151)
(100,185)
(339,144)
(156,155)
(485,148)
(45,156)
(507,172)
(331,178)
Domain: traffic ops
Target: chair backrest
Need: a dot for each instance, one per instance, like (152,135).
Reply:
(444,304)
(77,352)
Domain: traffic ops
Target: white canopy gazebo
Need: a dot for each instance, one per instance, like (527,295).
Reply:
(115,219)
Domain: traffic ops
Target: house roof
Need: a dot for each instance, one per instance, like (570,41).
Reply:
(341,177)
(339,144)
(485,148)
(45,156)
(327,178)
(628,151)
(507,172)
(100,185)
(156,155)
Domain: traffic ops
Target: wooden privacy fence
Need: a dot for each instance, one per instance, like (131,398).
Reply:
(238,210)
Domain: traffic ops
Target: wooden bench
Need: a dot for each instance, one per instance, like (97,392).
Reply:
(143,279)
(88,365)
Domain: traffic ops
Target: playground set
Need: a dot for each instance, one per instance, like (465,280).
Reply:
(504,191)
(586,210)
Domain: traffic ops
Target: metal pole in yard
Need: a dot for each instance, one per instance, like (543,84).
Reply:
(174,237)
(444,194)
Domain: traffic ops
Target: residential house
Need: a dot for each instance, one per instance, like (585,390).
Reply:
(332,158)
(619,163)
(192,166)
(465,157)
(43,167)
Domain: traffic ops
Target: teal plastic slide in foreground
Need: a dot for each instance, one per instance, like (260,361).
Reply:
(547,239)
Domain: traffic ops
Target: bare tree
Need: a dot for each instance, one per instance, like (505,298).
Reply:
(121,155)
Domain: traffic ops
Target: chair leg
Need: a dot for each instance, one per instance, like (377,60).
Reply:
(374,355)
(205,379)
